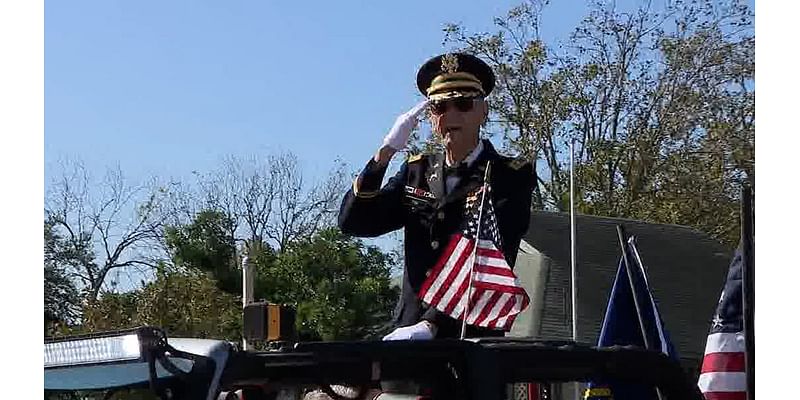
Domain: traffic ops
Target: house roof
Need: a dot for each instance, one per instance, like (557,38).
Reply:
(686,271)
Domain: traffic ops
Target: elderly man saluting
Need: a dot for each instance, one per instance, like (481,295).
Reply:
(427,196)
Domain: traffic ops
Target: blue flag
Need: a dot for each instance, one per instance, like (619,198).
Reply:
(621,327)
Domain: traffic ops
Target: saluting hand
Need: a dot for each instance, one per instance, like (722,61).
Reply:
(397,138)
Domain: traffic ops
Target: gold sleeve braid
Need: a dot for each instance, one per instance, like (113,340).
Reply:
(362,194)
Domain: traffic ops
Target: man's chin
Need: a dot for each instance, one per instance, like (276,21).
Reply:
(456,138)
(452,137)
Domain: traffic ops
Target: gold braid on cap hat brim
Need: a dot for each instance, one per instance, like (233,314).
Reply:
(455,81)
(454,94)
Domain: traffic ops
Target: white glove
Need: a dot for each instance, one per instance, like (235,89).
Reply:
(397,138)
(420,331)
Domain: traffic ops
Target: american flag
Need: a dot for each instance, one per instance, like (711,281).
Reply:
(497,296)
(722,376)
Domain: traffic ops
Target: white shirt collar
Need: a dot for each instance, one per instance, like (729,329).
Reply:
(472,156)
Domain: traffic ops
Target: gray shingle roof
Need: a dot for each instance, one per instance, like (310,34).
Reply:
(686,270)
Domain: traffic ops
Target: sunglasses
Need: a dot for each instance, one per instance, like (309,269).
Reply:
(463,104)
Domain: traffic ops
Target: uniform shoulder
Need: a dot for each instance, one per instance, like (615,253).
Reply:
(421,160)
(515,163)
(416,158)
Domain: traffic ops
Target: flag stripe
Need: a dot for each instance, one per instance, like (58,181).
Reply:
(513,317)
(458,312)
(723,362)
(482,267)
(725,343)
(494,279)
(488,245)
(725,395)
(488,249)
(487,309)
(501,288)
(458,298)
(505,313)
(457,283)
(723,370)
(722,382)
(501,302)
(451,269)
(436,272)
(497,263)
(477,309)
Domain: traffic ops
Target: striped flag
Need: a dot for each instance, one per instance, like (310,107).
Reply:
(722,376)
(497,296)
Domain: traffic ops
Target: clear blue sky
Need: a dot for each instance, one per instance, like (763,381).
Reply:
(167,87)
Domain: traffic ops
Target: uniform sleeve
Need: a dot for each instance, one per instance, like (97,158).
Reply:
(434,316)
(368,210)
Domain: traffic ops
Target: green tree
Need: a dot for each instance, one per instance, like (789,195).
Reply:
(207,244)
(111,311)
(190,304)
(659,103)
(61,298)
(184,303)
(340,287)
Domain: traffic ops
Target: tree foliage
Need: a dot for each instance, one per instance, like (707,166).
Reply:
(659,103)
(184,303)
(61,299)
(339,287)
(191,239)
(207,244)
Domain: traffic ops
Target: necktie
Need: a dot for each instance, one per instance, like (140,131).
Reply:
(458,170)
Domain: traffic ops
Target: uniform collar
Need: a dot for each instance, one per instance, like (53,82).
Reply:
(471,157)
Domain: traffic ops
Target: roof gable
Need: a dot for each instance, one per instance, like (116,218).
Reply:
(686,271)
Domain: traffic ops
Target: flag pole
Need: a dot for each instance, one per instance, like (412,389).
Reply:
(474,253)
(572,258)
(247,285)
(623,245)
(572,261)
(748,289)
(572,243)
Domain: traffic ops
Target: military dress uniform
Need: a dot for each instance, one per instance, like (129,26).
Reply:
(419,200)
(416,199)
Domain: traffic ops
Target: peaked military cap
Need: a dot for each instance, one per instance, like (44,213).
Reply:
(455,75)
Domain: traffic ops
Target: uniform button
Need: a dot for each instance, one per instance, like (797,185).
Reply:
(435,244)
(427,273)
(440,215)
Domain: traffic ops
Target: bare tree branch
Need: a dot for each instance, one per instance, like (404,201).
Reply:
(93,222)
